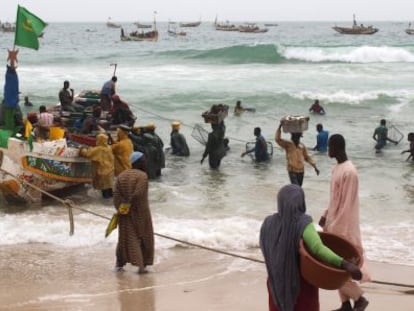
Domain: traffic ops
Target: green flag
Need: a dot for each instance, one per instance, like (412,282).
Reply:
(28,29)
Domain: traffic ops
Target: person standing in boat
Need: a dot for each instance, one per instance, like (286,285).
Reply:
(107,91)
(120,112)
(44,121)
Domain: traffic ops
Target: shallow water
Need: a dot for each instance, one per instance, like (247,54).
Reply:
(358,79)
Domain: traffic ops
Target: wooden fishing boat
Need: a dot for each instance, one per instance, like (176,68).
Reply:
(191,24)
(151,35)
(140,36)
(141,25)
(172,30)
(252,28)
(7,27)
(226,26)
(112,24)
(356,29)
(49,165)
(409,30)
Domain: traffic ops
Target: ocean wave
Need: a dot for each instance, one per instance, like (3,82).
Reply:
(236,54)
(276,53)
(350,54)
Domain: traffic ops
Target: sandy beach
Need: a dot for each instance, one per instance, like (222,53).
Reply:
(44,277)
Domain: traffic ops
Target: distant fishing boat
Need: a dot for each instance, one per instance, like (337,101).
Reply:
(141,25)
(252,28)
(7,27)
(409,30)
(356,29)
(271,24)
(191,24)
(172,30)
(141,35)
(112,24)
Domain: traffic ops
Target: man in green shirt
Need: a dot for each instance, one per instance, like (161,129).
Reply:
(381,136)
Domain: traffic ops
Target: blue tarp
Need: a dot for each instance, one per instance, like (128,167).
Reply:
(11,88)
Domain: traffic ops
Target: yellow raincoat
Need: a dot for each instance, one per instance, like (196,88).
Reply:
(102,163)
(122,151)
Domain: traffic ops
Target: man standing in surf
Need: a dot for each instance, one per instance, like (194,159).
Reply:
(342,217)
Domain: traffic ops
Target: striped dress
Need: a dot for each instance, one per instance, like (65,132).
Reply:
(135,232)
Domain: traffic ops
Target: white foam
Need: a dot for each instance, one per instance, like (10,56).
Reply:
(358,54)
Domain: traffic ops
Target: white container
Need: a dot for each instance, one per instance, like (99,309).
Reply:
(295,124)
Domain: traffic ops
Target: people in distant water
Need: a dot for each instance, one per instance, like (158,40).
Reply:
(280,235)
(410,138)
(178,143)
(261,153)
(120,112)
(27,102)
(135,229)
(321,139)
(238,109)
(102,160)
(108,89)
(316,108)
(215,149)
(381,136)
(44,122)
(66,96)
(122,150)
(296,155)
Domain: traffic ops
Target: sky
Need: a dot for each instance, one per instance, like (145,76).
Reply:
(193,10)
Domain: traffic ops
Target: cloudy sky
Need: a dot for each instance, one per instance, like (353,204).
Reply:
(192,10)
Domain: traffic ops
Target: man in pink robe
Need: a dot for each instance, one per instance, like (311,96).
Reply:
(342,216)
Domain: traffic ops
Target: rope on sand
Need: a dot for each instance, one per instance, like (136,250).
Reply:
(70,206)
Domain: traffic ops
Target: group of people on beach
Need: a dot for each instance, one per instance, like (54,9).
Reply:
(121,171)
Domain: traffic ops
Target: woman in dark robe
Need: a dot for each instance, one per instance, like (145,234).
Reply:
(135,231)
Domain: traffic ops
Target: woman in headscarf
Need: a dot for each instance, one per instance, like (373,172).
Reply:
(135,231)
(102,165)
(279,241)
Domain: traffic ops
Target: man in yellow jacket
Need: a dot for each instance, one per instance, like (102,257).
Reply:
(102,165)
(122,150)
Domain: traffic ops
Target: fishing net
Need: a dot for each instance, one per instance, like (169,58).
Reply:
(200,134)
(394,133)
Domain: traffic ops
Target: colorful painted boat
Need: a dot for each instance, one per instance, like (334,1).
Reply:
(50,166)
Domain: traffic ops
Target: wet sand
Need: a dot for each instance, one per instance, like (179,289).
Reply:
(45,277)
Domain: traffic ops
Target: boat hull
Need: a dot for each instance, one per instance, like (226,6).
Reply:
(355,30)
(49,168)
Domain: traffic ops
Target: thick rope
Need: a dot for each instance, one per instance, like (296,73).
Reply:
(70,205)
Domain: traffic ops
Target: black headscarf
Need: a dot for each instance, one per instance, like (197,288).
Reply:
(279,240)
